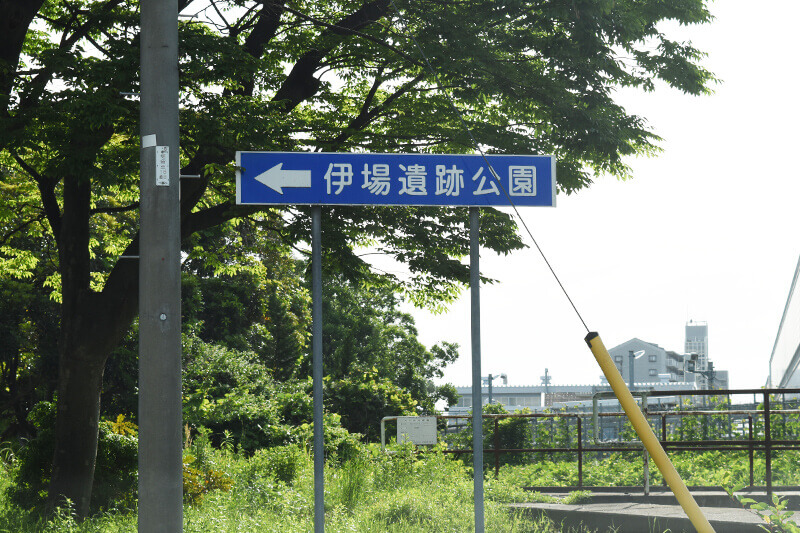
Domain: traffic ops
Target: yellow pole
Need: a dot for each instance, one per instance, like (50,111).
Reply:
(646,435)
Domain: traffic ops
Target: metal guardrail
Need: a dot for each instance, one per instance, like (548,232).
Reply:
(754,443)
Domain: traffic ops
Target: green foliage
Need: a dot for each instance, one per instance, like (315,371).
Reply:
(399,493)
(201,473)
(262,307)
(365,333)
(198,482)
(775,515)
(277,464)
(354,483)
(28,350)
(115,471)
(512,433)
(709,468)
(363,399)
(122,426)
(227,391)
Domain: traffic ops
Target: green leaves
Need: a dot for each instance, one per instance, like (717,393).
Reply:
(774,514)
(527,79)
(365,334)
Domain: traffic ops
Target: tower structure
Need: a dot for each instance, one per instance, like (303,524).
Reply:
(697,342)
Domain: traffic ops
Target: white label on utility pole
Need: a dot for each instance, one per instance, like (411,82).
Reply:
(148,141)
(417,429)
(162,166)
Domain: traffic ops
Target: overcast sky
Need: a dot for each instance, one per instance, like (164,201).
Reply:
(706,231)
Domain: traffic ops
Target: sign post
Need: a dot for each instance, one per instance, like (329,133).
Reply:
(477,393)
(316,349)
(317,179)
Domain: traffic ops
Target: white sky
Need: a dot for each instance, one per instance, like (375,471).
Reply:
(706,231)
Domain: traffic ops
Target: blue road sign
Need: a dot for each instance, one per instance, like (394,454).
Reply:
(314,178)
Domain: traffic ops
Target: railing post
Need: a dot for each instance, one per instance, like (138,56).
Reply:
(664,441)
(750,447)
(580,453)
(730,419)
(496,447)
(767,445)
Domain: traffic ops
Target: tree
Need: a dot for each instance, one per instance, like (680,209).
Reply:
(256,303)
(274,75)
(28,354)
(363,398)
(365,334)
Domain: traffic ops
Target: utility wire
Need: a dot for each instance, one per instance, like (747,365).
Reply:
(477,147)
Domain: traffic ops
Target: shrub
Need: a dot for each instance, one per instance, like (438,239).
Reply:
(512,433)
(115,480)
(280,463)
(197,482)
(364,398)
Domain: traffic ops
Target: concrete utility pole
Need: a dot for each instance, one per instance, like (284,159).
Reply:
(160,420)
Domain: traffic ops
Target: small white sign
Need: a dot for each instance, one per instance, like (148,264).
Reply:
(162,166)
(416,429)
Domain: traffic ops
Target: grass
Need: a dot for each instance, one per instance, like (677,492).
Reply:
(273,491)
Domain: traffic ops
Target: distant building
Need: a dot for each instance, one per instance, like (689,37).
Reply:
(697,342)
(785,358)
(539,397)
(720,380)
(654,368)
(650,363)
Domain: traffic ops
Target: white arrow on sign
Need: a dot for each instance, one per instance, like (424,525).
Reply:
(276,178)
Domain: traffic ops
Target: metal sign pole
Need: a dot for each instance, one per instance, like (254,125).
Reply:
(477,407)
(317,179)
(316,349)
(160,416)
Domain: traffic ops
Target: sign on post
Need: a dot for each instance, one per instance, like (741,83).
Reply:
(314,178)
(419,430)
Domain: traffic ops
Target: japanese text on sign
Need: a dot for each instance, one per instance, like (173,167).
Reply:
(413,180)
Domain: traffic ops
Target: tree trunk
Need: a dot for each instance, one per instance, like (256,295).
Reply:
(77,419)
(89,334)
(92,324)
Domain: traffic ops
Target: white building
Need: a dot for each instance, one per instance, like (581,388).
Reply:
(650,363)
(785,358)
(697,342)
(539,397)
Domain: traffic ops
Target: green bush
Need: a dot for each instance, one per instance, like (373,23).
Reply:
(229,390)
(280,463)
(512,433)
(201,472)
(115,481)
(363,399)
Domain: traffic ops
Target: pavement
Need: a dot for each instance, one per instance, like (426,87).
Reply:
(656,513)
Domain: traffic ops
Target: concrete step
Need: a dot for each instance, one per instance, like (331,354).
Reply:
(635,517)
(704,496)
